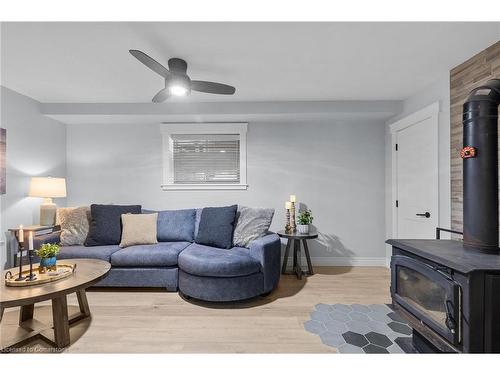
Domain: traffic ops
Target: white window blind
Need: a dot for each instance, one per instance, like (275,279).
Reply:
(206,158)
(201,156)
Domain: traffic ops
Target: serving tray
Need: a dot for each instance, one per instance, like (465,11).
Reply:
(62,271)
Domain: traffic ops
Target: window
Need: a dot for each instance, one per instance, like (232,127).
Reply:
(204,156)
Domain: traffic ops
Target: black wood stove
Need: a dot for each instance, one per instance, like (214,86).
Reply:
(449,290)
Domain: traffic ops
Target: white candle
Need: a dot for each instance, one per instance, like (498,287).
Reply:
(293,198)
(30,241)
(288,205)
(20,235)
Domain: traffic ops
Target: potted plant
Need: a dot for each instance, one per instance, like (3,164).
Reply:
(303,221)
(47,254)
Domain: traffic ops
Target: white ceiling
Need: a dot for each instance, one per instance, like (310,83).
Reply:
(90,63)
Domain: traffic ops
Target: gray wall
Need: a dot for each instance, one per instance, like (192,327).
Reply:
(36,146)
(336,168)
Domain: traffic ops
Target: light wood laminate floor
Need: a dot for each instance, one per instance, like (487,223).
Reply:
(153,321)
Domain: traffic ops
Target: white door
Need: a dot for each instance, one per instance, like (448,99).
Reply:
(416,157)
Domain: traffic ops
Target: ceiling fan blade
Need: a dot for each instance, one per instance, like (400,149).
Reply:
(161,96)
(151,63)
(212,87)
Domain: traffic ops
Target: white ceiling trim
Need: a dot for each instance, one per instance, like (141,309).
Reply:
(83,113)
(355,106)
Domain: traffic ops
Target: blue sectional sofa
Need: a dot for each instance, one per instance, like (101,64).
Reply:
(198,271)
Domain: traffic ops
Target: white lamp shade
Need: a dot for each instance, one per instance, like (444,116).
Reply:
(47,187)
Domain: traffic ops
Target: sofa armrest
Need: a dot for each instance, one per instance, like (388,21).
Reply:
(267,250)
(54,237)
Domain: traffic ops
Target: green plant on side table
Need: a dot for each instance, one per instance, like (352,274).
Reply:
(304,219)
(47,254)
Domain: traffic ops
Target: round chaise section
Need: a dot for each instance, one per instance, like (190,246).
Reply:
(218,275)
(220,289)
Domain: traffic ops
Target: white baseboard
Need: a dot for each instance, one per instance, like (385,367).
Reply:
(346,261)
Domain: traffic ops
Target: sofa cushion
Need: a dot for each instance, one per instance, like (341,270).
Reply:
(203,260)
(216,226)
(105,223)
(138,229)
(96,252)
(175,225)
(161,254)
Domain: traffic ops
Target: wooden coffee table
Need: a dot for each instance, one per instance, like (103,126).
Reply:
(87,273)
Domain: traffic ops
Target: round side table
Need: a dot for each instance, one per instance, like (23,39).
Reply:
(295,239)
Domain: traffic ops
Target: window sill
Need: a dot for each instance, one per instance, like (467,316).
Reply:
(204,187)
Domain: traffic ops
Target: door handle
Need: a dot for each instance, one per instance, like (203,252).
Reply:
(450,322)
(427,215)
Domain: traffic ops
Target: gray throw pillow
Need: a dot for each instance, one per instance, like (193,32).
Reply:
(251,224)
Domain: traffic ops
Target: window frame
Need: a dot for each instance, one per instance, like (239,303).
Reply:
(167,130)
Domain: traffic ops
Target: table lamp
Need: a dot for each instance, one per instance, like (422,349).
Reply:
(47,188)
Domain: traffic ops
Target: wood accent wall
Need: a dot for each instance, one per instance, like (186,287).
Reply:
(463,78)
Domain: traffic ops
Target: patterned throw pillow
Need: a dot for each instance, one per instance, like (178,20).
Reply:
(74,222)
(251,224)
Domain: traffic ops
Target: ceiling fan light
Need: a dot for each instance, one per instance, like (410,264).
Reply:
(178,90)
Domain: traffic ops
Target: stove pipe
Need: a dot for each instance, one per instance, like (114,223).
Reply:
(480,167)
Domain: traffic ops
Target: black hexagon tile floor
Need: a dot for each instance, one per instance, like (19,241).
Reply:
(360,328)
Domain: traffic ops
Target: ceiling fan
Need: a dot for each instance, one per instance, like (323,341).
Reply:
(177,82)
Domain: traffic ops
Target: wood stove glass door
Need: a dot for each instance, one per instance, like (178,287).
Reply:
(428,294)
